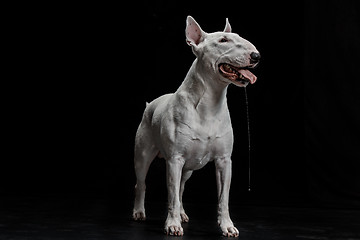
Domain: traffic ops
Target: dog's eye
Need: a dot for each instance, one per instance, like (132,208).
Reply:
(223,40)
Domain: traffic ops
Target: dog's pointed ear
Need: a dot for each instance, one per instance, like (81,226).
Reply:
(194,33)
(227,26)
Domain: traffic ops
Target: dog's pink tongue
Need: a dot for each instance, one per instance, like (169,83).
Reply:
(249,75)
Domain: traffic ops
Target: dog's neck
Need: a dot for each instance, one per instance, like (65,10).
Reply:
(205,92)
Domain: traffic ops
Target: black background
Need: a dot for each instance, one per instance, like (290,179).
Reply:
(80,77)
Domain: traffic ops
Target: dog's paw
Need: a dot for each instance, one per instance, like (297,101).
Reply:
(173,227)
(228,229)
(174,230)
(184,217)
(139,215)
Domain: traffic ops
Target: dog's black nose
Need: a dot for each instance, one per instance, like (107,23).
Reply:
(255,57)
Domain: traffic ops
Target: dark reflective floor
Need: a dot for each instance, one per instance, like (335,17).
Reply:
(91,218)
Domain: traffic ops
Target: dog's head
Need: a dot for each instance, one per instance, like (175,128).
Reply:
(228,56)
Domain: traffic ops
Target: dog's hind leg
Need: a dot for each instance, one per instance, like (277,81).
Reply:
(145,152)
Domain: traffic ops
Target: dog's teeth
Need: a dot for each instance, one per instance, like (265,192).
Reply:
(227,68)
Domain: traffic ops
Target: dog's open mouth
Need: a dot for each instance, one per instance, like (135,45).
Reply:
(239,76)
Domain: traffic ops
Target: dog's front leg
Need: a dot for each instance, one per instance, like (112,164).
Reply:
(223,179)
(173,174)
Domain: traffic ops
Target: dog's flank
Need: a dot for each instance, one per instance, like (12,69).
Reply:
(192,126)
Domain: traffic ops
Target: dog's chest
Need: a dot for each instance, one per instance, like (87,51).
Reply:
(203,140)
(199,152)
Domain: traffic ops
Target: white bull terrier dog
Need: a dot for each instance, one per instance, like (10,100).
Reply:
(192,126)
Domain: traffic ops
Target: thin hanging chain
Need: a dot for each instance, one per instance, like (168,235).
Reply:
(248,128)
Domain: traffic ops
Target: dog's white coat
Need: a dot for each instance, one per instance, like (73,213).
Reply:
(192,126)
